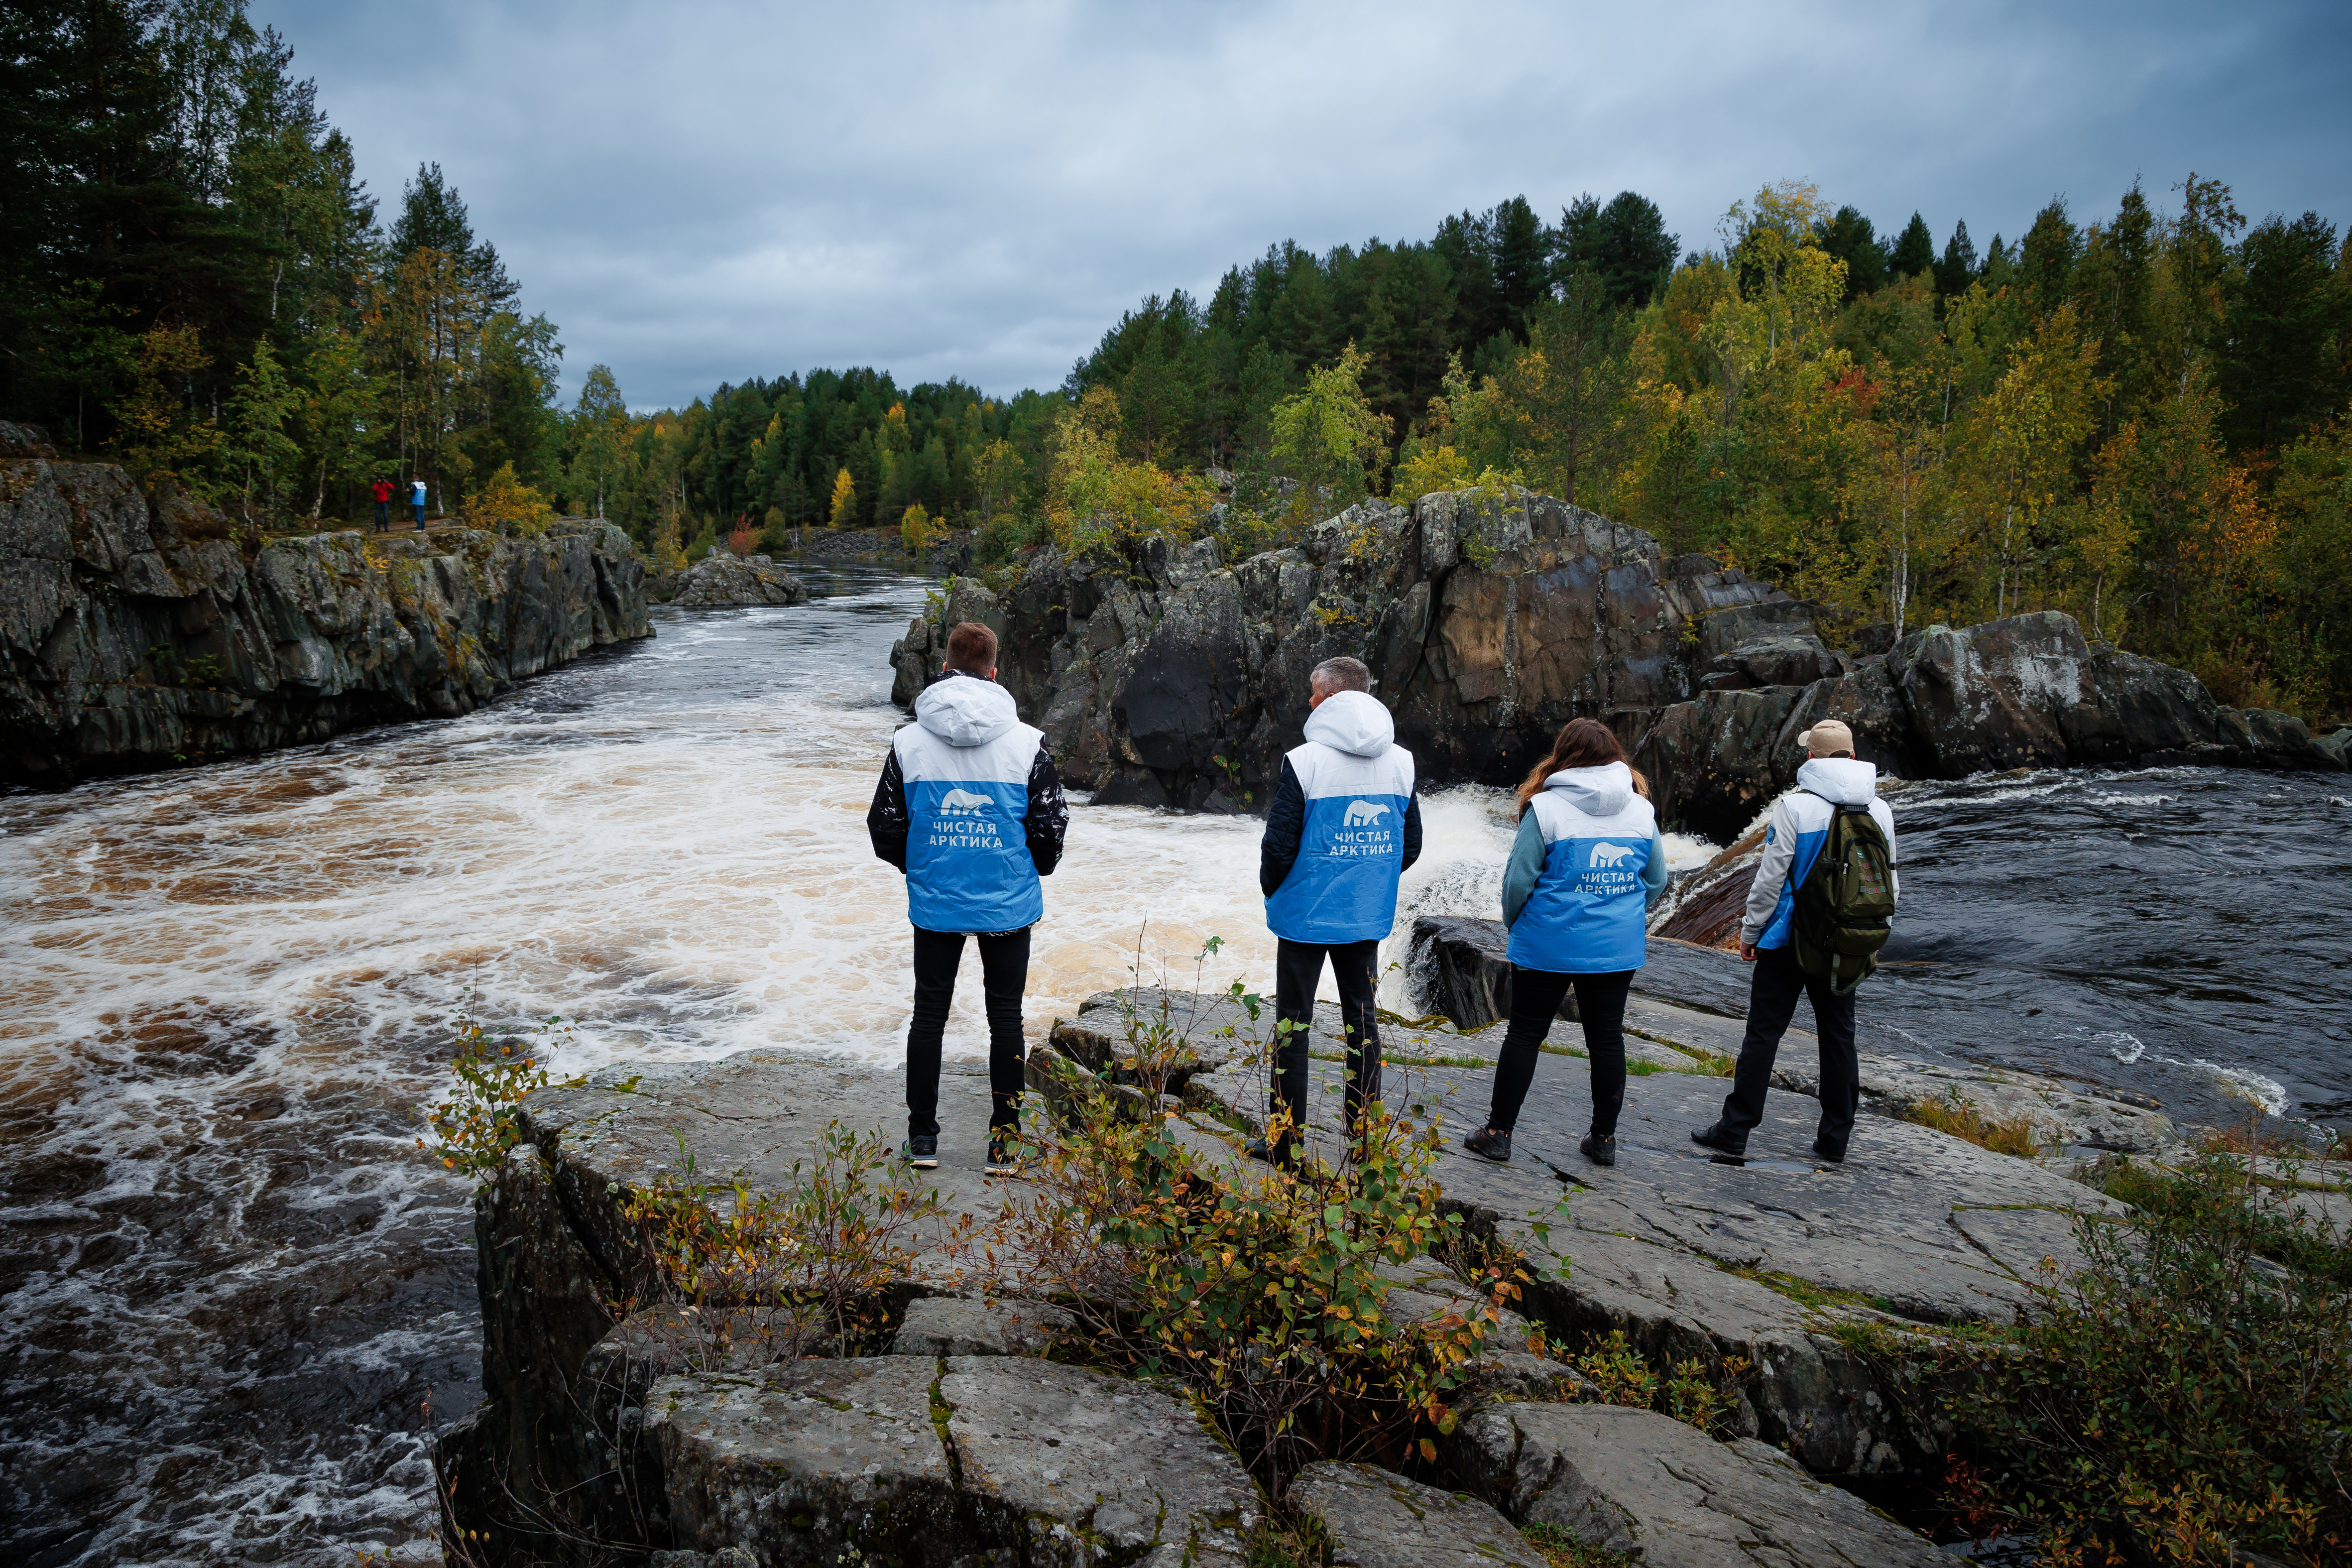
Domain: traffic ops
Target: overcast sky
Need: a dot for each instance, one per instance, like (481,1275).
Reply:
(703,193)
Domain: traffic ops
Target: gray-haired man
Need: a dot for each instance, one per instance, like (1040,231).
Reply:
(1344,826)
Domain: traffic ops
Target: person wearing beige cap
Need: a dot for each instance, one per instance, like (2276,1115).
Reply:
(1829,782)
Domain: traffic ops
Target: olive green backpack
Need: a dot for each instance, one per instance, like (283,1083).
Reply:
(1845,902)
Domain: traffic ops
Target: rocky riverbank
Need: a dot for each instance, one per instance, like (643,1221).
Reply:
(134,636)
(1834,1285)
(1177,677)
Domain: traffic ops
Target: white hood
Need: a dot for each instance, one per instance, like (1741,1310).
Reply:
(1353,722)
(1604,791)
(1841,780)
(965,710)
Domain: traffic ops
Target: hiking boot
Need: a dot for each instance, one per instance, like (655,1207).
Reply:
(1282,1156)
(1823,1151)
(1490,1145)
(1003,1152)
(1600,1148)
(922,1151)
(1720,1139)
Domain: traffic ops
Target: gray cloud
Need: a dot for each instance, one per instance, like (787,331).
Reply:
(699,194)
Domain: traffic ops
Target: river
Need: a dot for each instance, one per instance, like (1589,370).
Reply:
(237,1298)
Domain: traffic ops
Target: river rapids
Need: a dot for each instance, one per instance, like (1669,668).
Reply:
(238,1296)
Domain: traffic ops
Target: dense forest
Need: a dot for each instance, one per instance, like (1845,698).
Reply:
(2139,418)
(199,284)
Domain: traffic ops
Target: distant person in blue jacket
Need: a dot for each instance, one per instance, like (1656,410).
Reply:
(1830,777)
(417,500)
(971,809)
(1586,866)
(1344,825)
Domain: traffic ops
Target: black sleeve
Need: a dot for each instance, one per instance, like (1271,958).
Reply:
(1286,824)
(1412,828)
(1047,822)
(885,819)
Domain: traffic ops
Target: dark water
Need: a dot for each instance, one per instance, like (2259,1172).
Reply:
(2184,933)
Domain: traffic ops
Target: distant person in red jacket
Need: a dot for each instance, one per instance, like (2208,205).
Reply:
(383,493)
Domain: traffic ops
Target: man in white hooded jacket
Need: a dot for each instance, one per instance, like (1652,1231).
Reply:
(1344,825)
(1830,777)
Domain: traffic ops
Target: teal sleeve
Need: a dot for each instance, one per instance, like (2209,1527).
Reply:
(1525,868)
(1654,874)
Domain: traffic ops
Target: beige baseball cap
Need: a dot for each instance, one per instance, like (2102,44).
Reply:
(1827,738)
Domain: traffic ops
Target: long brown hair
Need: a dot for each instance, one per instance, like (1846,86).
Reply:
(1583,743)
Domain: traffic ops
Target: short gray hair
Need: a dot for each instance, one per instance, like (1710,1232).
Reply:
(1341,674)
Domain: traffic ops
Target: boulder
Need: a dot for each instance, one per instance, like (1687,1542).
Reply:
(1373,1518)
(2007,694)
(1650,1487)
(135,638)
(1797,661)
(1864,699)
(2337,745)
(1462,968)
(953,1325)
(1710,762)
(930,1461)
(723,580)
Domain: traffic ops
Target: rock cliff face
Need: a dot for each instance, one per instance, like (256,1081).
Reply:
(1488,621)
(135,638)
(1175,679)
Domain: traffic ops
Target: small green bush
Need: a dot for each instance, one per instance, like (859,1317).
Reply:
(477,1126)
(2181,1398)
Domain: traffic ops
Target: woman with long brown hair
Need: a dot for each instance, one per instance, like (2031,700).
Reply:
(1586,865)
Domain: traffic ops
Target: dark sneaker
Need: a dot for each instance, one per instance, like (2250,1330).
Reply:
(1713,1136)
(1489,1144)
(1285,1156)
(921,1153)
(1600,1150)
(1003,1153)
(1823,1151)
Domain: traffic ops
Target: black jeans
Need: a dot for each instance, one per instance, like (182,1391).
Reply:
(1771,1002)
(1297,971)
(382,516)
(1003,973)
(1535,1002)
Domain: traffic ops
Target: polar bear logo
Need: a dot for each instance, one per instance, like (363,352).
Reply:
(963,803)
(1611,855)
(1363,813)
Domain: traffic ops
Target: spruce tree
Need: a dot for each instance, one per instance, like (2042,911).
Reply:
(1915,249)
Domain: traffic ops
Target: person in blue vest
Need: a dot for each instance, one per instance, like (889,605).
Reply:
(1585,868)
(1344,826)
(1830,776)
(971,809)
(417,500)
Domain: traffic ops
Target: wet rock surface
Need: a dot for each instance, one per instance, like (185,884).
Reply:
(1373,1518)
(723,580)
(1641,1484)
(135,638)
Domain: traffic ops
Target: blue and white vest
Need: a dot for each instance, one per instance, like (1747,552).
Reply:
(1359,785)
(1588,912)
(966,761)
